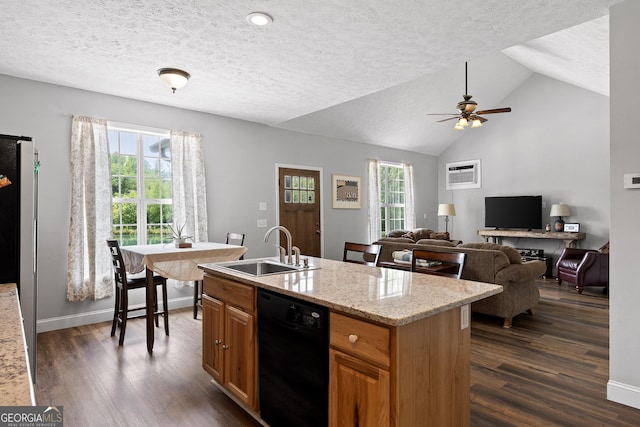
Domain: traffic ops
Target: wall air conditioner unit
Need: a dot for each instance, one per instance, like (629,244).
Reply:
(461,175)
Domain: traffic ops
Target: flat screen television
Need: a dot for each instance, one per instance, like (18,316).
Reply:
(513,212)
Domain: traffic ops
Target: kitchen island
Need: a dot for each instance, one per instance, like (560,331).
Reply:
(399,342)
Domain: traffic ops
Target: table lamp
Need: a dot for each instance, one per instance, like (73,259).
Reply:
(559,210)
(446,210)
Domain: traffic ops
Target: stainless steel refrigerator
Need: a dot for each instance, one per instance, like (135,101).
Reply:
(19,228)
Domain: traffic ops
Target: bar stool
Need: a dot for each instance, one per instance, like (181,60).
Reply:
(125,284)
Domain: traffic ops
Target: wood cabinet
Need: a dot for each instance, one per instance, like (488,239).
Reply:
(229,337)
(359,392)
(416,374)
(212,336)
(359,377)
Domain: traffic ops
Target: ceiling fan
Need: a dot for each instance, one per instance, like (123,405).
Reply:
(466,110)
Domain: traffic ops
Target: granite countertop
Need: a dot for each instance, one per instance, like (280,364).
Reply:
(388,296)
(15,380)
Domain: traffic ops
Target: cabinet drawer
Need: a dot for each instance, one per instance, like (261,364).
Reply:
(360,338)
(232,293)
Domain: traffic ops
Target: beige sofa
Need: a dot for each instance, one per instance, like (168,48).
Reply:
(485,262)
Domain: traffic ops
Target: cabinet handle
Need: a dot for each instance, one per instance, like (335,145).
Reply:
(218,342)
(224,346)
(353,338)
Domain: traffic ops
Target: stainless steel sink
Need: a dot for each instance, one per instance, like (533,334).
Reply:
(263,267)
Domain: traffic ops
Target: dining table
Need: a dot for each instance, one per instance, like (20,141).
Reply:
(178,263)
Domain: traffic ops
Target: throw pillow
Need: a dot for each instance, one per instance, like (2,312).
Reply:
(396,233)
(422,233)
(409,235)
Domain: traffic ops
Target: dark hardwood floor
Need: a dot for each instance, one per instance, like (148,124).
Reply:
(549,369)
(99,383)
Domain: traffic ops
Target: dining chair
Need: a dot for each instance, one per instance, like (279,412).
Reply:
(235,239)
(232,239)
(124,284)
(361,253)
(447,264)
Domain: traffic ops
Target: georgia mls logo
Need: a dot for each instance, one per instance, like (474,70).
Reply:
(31,416)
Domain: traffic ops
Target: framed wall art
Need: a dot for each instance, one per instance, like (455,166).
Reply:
(346,192)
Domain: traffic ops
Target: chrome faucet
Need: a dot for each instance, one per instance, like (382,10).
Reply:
(287,234)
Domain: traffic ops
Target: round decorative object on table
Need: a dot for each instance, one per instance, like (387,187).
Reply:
(548,227)
(558,226)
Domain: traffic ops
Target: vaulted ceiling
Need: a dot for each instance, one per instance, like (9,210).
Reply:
(361,70)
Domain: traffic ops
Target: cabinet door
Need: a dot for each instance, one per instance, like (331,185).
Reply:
(359,392)
(240,357)
(213,337)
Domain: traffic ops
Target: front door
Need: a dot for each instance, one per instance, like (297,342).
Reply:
(299,204)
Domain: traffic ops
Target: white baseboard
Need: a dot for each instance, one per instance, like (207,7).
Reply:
(623,393)
(88,318)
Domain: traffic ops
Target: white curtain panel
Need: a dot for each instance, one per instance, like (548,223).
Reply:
(374,201)
(189,185)
(90,275)
(409,210)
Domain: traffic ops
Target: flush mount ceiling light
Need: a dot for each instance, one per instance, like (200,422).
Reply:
(260,19)
(174,78)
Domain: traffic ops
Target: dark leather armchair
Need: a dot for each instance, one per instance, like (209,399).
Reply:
(583,267)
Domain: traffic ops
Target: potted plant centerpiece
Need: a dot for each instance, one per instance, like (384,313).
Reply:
(179,238)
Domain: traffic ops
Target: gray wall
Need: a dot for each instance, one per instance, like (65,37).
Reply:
(563,155)
(240,164)
(624,293)
(555,143)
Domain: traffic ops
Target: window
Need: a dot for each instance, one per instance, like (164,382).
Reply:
(140,186)
(392,200)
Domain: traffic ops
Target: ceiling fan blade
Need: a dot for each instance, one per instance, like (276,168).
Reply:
(441,114)
(450,118)
(495,110)
(476,117)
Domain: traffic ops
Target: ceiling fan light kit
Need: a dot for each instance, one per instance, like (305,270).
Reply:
(466,110)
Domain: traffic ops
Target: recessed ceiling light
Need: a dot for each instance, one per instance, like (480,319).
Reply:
(260,19)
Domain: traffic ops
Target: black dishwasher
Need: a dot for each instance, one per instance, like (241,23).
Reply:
(293,361)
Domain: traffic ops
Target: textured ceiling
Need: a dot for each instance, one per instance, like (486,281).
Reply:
(363,70)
